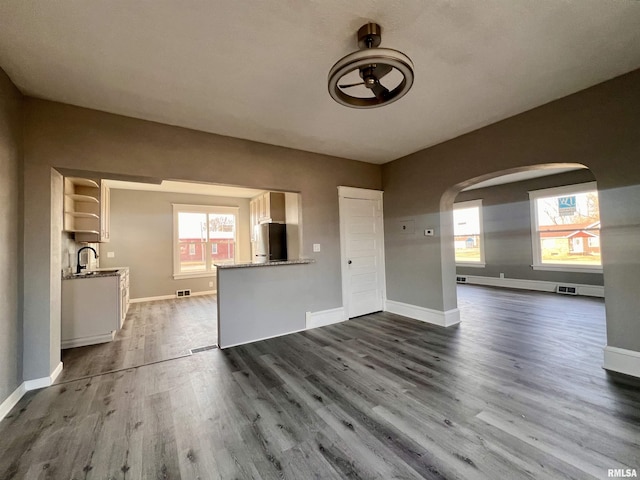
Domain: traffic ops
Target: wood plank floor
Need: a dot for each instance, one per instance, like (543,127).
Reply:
(515,392)
(152,332)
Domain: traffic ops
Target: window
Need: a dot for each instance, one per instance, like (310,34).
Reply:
(203,236)
(467,233)
(565,227)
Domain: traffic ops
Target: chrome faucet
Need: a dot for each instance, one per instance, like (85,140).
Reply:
(80,267)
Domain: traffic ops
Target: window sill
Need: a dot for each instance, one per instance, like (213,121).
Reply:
(474,265)
(180,276)
(568,268)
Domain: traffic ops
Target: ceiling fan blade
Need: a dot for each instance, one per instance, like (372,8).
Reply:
(380,91)
(382,69)
(349,85)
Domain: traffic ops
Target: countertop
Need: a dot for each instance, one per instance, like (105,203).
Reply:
(97,273)
(299,261)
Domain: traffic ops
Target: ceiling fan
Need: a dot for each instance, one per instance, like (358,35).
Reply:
(373,64)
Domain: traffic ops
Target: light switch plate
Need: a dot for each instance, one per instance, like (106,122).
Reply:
(316,247)
(406,226)
(111,254)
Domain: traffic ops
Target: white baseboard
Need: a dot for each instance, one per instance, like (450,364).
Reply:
(536,285)
(325,317)
(44,381)
(622,361)
(12,400)
(84,341)
(170,297)
(222,347)
(436,317)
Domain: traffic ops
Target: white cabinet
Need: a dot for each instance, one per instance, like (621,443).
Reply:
(93,308)
(268,207)
(105,212)
(124,296)
(86,209)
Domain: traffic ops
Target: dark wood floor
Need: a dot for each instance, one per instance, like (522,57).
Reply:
(153,332)
(515,391)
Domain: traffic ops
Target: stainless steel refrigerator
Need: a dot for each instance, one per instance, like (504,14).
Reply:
(272,242)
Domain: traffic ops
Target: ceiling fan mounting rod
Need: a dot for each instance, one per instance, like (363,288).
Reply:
(369,36)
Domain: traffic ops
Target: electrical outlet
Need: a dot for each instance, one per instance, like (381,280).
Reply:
(111,254)
(502,275)
(316,247)
(211,284)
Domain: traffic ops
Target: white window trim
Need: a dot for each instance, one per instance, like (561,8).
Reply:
(535,243)
(471,204)
(181,207)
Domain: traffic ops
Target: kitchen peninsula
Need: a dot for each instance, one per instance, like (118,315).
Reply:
(257,301)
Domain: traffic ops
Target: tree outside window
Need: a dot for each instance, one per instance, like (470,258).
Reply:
(566,226)
(204,236)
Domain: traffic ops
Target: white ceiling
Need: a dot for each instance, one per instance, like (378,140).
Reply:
(186,187)
(258,69)
(520,177)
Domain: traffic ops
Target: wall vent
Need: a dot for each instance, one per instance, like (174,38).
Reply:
(183,293)
(566,290)
(461,279)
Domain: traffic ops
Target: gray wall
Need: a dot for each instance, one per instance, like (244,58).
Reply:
(82,140)
(10,234)
(597,127)
(507,230)
(280,296)
(142,239)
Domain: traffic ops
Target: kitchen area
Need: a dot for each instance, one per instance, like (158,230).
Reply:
(118,240)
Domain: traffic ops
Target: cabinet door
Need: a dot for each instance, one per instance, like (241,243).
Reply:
(264,206)
(277,207)
(253,218)
(105,213)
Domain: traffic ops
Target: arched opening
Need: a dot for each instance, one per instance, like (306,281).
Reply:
(534,224)
(524,245)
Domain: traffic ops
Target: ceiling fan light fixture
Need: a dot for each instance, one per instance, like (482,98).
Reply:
(373,64)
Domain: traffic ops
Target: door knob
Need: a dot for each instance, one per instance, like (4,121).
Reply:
(350,262)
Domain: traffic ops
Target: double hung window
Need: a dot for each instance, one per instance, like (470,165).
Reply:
(468,233)
(565,228)
(203,236)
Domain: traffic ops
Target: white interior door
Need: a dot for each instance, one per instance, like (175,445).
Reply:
(362,250)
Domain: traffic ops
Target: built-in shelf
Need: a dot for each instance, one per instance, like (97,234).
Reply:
(82,198)
(83,231)
(84,182)
(86,209)
(82,215)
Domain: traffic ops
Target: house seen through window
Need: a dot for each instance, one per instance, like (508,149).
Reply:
(203,237)
(467,232)
(566,227)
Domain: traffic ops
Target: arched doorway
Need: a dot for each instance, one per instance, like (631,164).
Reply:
(500,244)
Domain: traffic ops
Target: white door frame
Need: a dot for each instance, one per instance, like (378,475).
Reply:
(362,194)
